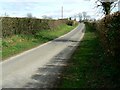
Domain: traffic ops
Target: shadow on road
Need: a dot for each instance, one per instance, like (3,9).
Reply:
(64,40)
(49,76)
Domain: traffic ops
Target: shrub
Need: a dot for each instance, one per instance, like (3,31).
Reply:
(13,26)
(109,31)
(70,22)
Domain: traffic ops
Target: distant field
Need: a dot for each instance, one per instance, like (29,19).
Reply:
(19,43)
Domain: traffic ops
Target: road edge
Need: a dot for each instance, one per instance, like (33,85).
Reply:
(32,49)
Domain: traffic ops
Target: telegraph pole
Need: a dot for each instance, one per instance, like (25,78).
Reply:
(62,12)
(119,5)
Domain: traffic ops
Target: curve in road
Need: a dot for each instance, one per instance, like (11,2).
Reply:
(41,66)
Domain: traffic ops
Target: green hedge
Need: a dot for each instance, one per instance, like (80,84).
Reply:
(70,22)
(109,32)
(12,26)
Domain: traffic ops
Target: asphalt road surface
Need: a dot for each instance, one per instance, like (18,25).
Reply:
(41,67)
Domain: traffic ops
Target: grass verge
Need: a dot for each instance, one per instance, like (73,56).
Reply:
(89,67)
(19,43)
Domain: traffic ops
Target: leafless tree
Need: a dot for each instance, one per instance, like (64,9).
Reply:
(106,5)
(29,15)
(6,15)
(84,15)
(46,17)
(80,16)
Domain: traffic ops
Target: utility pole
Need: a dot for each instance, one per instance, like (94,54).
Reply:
(119,5)
(62,13)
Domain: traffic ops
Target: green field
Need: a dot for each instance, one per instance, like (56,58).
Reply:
(19,43)
(89,67)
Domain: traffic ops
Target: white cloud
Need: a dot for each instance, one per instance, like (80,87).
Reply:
(47,7)
(28,0)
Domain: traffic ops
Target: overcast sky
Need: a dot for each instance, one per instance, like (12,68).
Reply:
(52,8)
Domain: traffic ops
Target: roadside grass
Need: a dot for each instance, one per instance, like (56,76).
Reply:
(19,43)
(89,67)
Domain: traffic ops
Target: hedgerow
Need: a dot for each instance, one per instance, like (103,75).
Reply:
(109,32)
(30,26)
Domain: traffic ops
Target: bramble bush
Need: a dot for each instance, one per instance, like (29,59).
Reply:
(109,33)
(29,26)
(70,22)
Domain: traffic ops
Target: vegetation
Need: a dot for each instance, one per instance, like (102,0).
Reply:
(0,49)
(19,43)
(70,23)
(12,26)
(89,67)
(108,30)
(106,5)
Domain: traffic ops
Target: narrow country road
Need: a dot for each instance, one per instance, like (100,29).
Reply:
(40,67)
